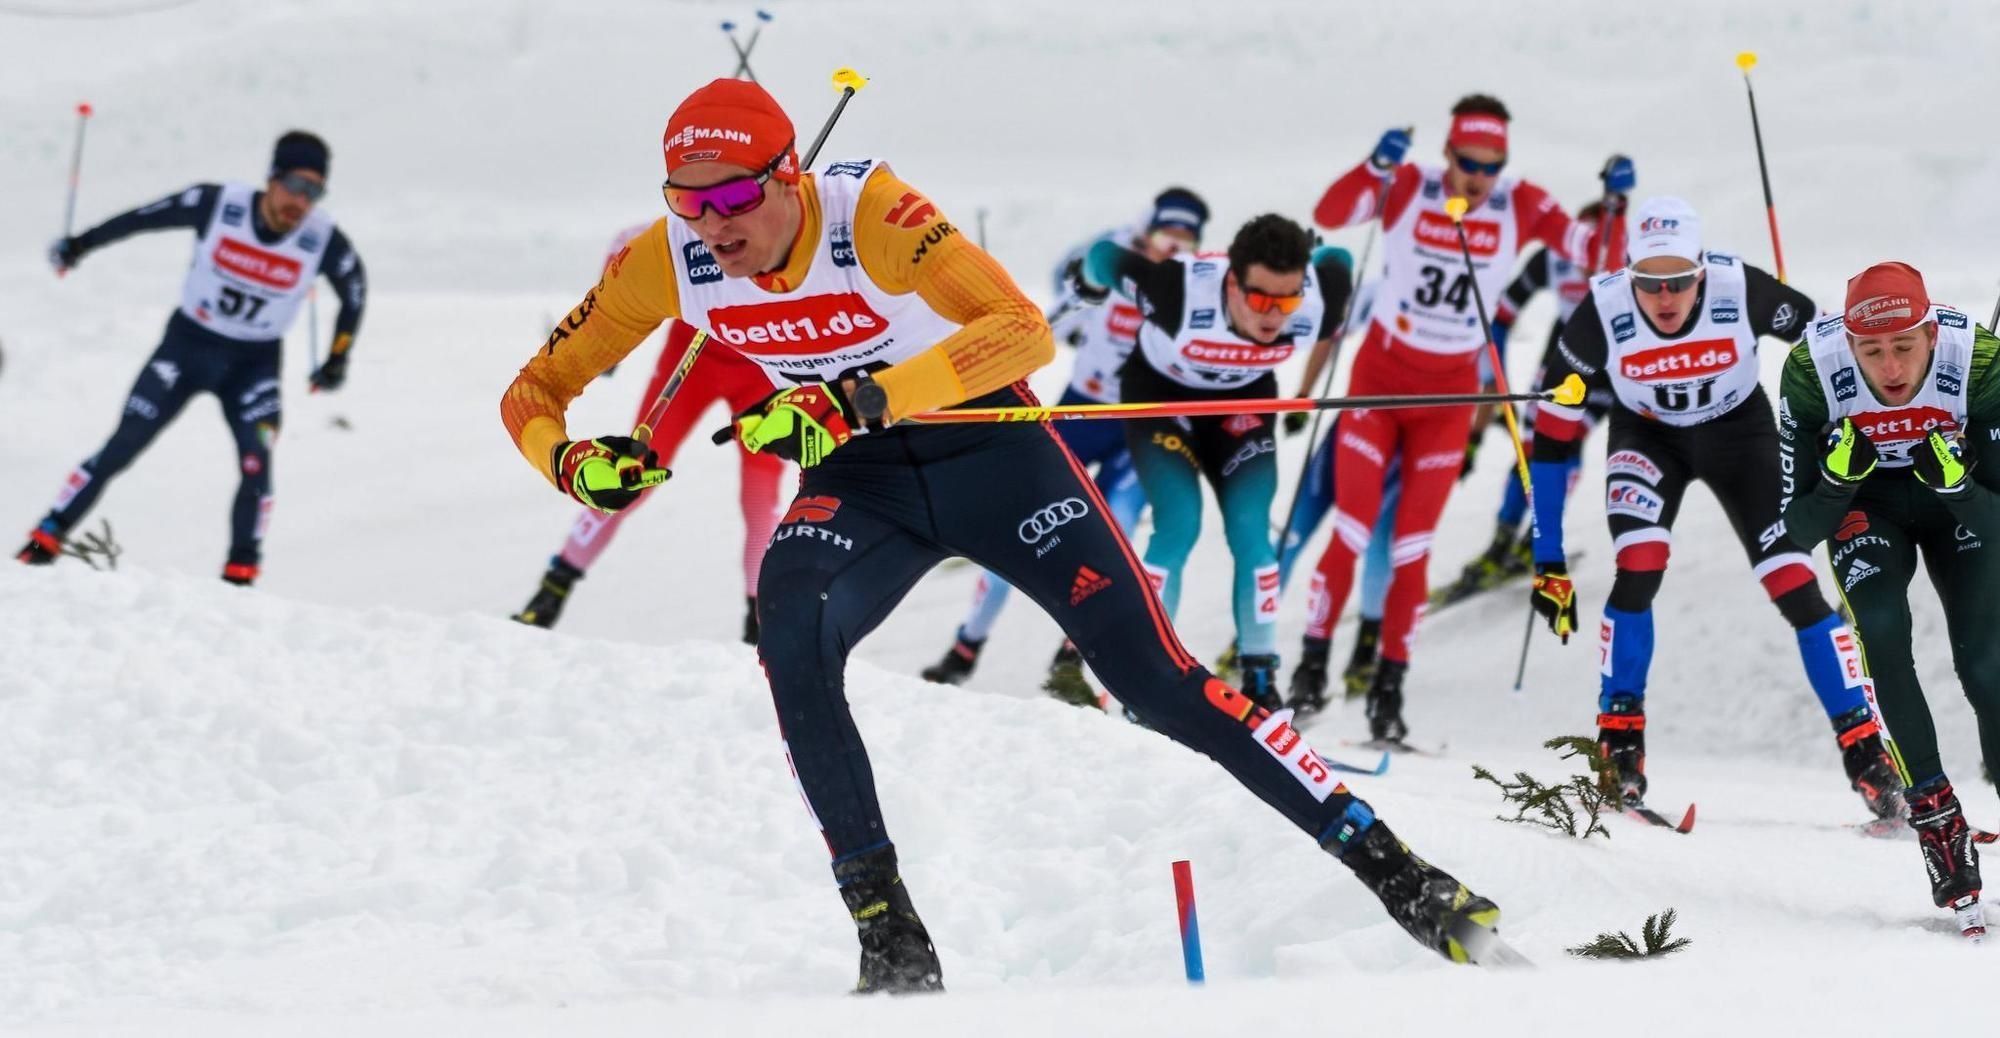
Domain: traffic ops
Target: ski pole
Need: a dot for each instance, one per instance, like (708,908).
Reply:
(1190,927)
(83,111)
(1326,383)
(312,330)
(743,64)
(1994,321)
(1527,639)
(848,82)
(1744,61)
(982,228)
(1570,393)
(1455,208)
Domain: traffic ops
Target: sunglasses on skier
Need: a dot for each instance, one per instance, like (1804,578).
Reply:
(303,186)
(1484,169)
(1265,302)
(1654,284)
(732,197)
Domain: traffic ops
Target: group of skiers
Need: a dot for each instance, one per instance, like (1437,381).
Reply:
(836,310)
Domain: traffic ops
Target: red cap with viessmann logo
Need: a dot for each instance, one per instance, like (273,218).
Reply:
(1885,299)
(734,121)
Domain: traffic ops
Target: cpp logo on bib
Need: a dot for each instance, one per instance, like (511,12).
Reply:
(1050,516)
(701,266)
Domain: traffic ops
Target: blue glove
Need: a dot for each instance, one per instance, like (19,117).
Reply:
(1618,175)
(1389,151)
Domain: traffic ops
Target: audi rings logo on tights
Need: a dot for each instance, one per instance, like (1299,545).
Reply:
(1052,515)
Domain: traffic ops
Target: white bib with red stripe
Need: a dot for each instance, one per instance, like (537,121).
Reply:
(1426,299)
(836,323)
(1694,377)
(1207,353)
(1938,404)
(240,288)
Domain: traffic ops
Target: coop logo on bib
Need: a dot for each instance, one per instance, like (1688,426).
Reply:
(812,325)
(1680,362)
(701,266)
(251,263)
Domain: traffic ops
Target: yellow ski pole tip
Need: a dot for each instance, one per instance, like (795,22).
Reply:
(1455,208)
(1746,59)
(1571,392)
(848,79)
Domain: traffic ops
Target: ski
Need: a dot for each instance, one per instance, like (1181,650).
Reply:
(1899,828)
(1460,590)
(1381,766)
(1397,746)
(1484,947)
(1971,917)
(1651,817)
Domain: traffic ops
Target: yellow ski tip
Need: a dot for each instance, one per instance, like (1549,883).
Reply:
(1455,208)
(1746,60)
(1571,392)
(847,79)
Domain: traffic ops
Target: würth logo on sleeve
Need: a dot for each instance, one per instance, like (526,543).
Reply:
(810,325)
(910,211)
(251,263)
(1435,229)
(1681,361)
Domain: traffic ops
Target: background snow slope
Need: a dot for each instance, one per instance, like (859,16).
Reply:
(360,799)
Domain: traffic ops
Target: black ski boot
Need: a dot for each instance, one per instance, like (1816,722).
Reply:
(1360,672)
(957,663)
(750,621)
(1621,738)
(1260,680)
(1066,681)
(543,609)
(1423,899)
(1949,856)
(1871,772)
(42,548)
(1385,703)
(896,953)
(1307,694)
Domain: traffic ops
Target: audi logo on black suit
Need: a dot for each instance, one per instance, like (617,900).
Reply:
(1044,522)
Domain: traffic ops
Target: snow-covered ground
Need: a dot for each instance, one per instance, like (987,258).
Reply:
(358,800)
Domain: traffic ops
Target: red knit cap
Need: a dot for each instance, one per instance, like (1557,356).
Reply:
(1478,130)
(734,121)
(1885,299)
